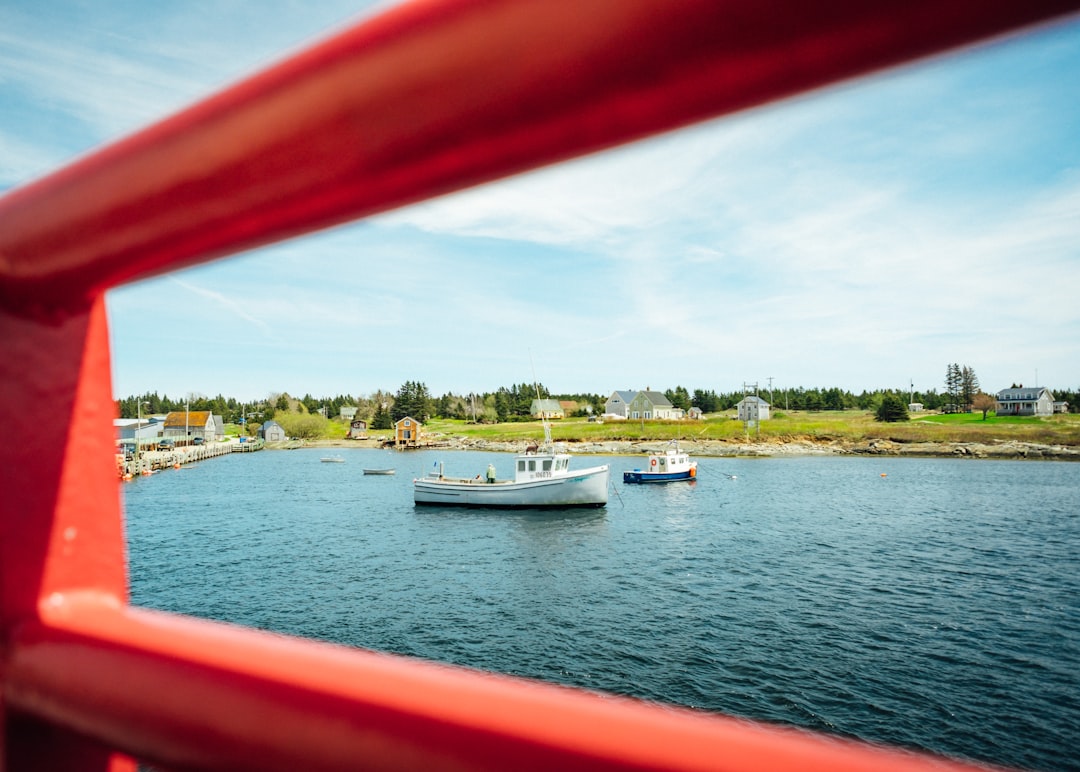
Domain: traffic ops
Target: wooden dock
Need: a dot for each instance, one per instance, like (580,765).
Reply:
(151,461)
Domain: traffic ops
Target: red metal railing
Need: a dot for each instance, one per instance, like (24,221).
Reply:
(424,99)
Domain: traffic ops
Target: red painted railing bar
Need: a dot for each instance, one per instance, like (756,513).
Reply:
(211,696)
(422,100)
(432,97)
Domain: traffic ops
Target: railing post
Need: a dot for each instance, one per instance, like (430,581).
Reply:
(60,523)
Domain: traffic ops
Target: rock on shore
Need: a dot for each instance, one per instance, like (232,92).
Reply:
(772,448)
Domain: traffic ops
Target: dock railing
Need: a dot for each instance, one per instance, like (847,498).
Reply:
(420,100)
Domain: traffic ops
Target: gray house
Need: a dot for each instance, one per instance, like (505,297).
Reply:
(271,431)
(753,408)
(647,404)
(1034,400)
(618,403)
(650,404)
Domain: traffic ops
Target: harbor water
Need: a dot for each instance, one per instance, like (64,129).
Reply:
(932,604)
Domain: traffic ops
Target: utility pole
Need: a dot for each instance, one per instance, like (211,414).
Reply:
(771,400)
(752,415)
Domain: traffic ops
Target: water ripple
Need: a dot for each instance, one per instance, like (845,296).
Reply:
(935,608)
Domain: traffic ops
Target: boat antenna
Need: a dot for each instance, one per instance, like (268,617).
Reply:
(543,413)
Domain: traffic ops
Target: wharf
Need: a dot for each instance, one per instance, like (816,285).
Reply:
(150,461)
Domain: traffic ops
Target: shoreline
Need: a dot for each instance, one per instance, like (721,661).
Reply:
(1004,450)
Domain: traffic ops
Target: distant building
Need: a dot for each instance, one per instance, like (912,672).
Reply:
(1034,400)
(132,430)
(618,403)
(694,413)
(272,431)
(546,408)
(650,405)
(348,412)
(645,404)
(915,407)
(407,432)
(185,426)
(753,408)
(358,429)
(1061,407)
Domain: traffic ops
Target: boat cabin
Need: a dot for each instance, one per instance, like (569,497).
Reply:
(541,466)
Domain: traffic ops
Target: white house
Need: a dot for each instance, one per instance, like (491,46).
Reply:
(753,408)
(1034,400)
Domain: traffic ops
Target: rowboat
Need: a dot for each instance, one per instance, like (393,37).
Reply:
(378,471)
(332,460)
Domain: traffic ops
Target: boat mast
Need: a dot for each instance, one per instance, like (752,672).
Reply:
(543,413)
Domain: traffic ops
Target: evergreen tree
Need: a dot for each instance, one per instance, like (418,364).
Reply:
(969,387)
(953,382)
(678,397)
(381,419)
(891,409)
(412,399)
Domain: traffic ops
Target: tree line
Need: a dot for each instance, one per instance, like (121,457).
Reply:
(513,403)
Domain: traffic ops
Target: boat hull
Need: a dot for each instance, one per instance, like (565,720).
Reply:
(585,488)
(637,476)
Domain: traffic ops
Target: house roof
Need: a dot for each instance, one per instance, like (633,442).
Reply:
(270,424)
(751,398)
(182,418)
(403,419)
(624,396)
(1023,393)
(655,398)
(547,405)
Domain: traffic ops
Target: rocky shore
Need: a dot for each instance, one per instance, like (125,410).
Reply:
(772,448)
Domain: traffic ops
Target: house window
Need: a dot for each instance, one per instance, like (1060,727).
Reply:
(407,434)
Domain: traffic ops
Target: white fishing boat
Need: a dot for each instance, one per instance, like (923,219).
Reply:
(541,479)
(378,471)
(670,466)
(332,460)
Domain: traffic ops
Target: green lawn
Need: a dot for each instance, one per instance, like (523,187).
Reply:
(785,426)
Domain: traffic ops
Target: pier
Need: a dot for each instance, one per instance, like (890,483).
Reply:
(150,461)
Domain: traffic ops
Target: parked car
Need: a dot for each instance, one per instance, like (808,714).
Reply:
(198,440)
(165,445)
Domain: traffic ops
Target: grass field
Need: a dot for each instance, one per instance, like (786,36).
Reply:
(852,425)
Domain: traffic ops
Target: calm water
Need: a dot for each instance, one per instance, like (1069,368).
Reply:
(937,607)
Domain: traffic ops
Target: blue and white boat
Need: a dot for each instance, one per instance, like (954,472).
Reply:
(670,466)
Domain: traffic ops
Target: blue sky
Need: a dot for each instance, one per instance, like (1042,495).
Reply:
(864,236)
